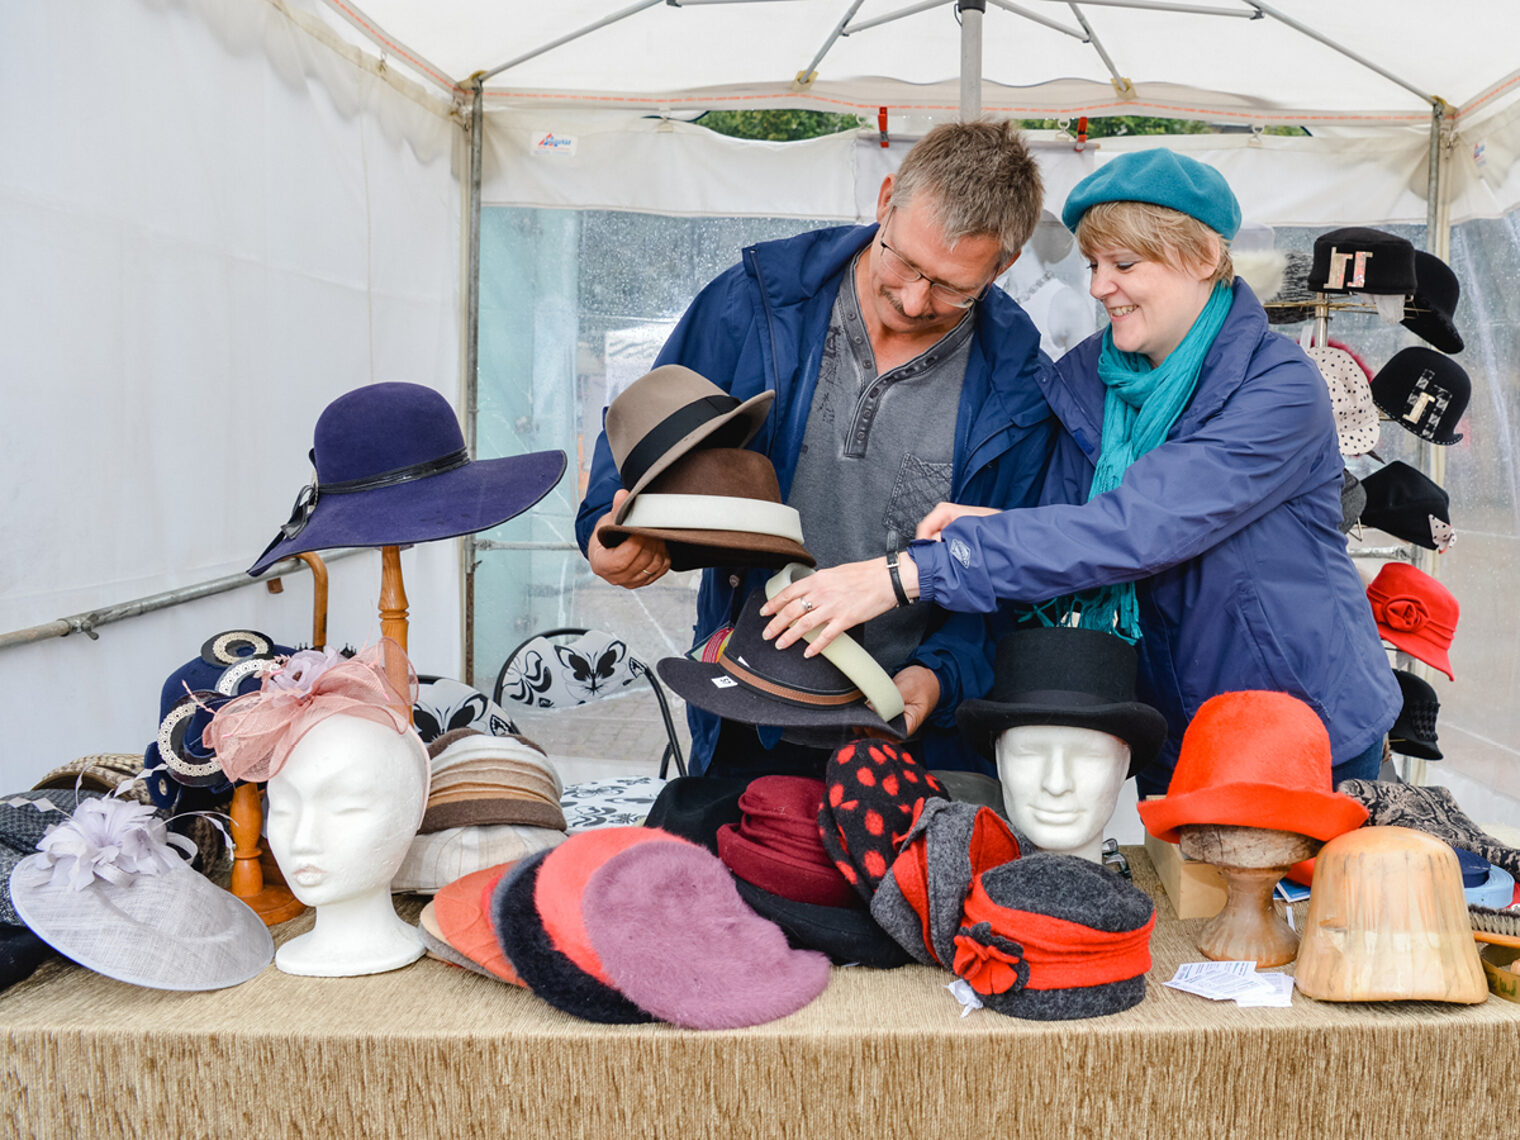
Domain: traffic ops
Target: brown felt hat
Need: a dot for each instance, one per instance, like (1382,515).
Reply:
(716,507)
(669,412)
(479,780)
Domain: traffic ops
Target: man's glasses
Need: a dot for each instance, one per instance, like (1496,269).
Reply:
(904,272)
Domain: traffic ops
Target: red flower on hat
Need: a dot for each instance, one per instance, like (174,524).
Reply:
(991,967)
(1405,614)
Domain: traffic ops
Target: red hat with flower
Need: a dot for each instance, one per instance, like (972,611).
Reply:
(1415,613)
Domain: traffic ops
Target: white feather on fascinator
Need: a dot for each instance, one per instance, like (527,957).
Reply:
(110,889)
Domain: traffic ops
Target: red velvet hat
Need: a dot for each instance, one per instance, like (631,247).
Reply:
(776,846)
(1254,759)
(1415,613)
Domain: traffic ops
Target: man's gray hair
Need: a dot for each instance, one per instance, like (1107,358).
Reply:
(980,179)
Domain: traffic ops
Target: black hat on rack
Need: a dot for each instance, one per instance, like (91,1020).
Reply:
(1356,259)
(1414,733)
(1432,309)
(1409,505)
(1423,392)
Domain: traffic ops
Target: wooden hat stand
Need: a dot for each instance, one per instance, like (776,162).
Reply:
(1250,860)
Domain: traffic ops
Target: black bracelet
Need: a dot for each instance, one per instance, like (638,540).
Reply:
(897,586)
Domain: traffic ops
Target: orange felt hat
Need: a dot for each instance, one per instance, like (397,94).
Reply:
(463,913)
(1254,759)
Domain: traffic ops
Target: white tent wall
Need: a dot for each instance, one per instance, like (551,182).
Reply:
(213,224)
(659,171)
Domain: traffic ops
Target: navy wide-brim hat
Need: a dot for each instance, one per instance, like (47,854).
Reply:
(1160,177)
(1081,678)
(392,470)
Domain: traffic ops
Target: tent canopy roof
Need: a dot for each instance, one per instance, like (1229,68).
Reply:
(1249,66)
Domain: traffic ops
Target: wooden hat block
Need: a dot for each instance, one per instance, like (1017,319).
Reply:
(1388,922)
(1250,860)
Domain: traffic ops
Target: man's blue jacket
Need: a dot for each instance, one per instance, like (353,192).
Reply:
(1229,529)
(761,325)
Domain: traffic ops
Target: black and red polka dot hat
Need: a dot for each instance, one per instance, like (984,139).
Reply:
(876,791)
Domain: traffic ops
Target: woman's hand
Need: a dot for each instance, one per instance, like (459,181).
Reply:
(833,601)
(940,517)
(634,562)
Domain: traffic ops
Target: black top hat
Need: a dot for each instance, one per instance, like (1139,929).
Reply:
(1434,305)
(753,682)
(1359,260)
(1083,678)
(1403,502)
(1423,392)
(1414,733)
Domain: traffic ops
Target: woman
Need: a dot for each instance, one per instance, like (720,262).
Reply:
(1193,500)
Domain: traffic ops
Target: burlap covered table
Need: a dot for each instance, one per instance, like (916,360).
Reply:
(434,1051)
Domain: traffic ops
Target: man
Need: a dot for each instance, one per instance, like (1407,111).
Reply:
(869,335)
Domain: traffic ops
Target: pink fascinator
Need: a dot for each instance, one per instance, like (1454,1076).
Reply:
(253,734)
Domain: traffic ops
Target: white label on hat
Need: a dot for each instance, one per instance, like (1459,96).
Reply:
(965,995)
(724,683)
(553,143)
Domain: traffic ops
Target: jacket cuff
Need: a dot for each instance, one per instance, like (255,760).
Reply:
(929,558)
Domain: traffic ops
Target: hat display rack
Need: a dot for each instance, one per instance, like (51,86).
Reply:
(1427,320)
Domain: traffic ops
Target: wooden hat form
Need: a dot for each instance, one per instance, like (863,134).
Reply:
(1388,922)
(1251,860)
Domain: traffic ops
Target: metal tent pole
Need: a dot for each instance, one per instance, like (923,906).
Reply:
(971,13)
(472,347)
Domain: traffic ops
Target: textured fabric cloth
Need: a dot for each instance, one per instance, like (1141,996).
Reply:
(1229,530)
(356,1056)
(1431,809)
(760,326)
(877,455)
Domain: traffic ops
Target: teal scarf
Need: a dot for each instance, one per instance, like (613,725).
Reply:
(1140,406)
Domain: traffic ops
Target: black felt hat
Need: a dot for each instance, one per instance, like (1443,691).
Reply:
(1432,310)
(1361,260)
(1408,505)
(1414,733)
(695,807)
(1424,392)
(753,682)
(845,934)
(1083,678)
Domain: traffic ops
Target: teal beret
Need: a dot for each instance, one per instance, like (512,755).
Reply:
(1162,178)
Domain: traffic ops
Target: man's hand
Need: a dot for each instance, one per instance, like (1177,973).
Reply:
(946,513)
(634,562)
(920,692)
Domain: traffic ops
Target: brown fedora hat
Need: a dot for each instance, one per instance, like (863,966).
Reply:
(717,507)
(668,412)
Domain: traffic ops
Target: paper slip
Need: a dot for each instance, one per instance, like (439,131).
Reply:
(1233,981)
(965,995)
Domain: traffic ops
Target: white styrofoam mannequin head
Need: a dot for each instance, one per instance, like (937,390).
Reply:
(342,813)
(1061,784)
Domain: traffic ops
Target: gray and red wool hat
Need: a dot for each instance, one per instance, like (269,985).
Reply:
(1053,937)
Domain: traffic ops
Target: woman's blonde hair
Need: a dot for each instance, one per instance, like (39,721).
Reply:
(1157,233)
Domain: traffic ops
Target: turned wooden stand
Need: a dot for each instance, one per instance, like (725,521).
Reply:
(1250,860)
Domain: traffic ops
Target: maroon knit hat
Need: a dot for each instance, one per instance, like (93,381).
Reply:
(776,846)
(876,791)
